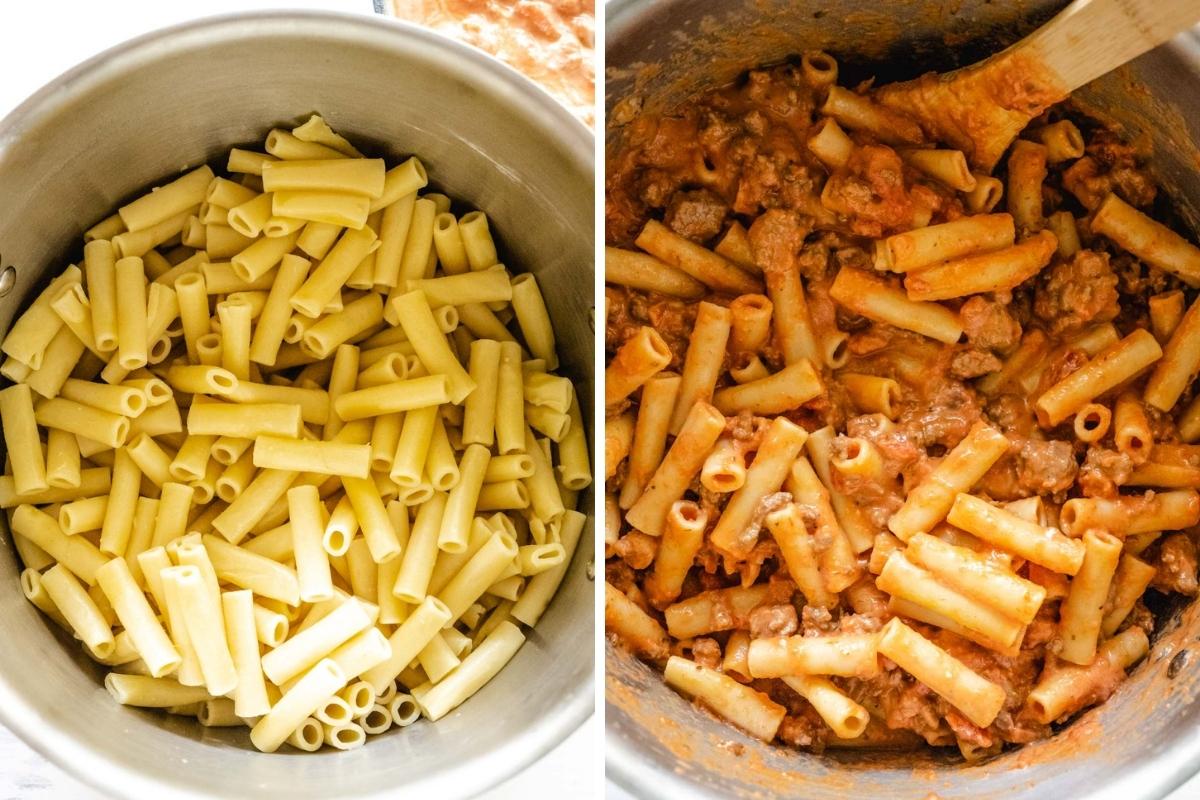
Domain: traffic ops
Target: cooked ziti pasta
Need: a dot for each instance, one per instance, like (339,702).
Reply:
(897,449)
(288,450)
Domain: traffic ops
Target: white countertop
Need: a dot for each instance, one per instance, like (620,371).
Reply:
(44,38)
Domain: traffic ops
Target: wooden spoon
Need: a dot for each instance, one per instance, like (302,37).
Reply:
(980,109)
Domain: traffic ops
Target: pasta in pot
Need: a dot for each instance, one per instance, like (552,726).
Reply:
(908,456)
(268,495)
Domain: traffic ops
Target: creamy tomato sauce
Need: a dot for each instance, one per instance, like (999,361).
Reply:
(550,41)
(740,156)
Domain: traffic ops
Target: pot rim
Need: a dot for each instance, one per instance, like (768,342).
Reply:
(638,774)
(478,771)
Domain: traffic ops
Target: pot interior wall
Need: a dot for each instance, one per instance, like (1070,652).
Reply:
(1145,739)
(108,132)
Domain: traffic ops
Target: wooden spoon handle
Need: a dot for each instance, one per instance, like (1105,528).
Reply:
(1091,37)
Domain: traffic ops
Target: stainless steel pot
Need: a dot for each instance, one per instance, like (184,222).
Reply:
(141,112)
(1146,739)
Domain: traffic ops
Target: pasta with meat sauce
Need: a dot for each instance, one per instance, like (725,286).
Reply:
(896,451)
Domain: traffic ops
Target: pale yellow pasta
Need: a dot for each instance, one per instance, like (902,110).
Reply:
(60,358)
(376,525)
(476,670)
(250,215)
(153,462)
(316,130)
(191,462)
(393,235)
(248,570)
(74,309)
(461,502)
(408,462)
(477,240)
(510,401)
(483,569)
(335,208)
(82,515)
(122,399)
(313,402)
(21,439)
(326,280)
(416,317)
(418,247)
(533,319)
(300,701)
(141,538)
(148,692)
(32,333)
(414,393)
(131,313)
(326,458)
(260,441)
(312,561)
(80,611)
(118,516)
(419,556)
(138,619)
(92,481)
(309,646)
(105,228)
(348,175)
(437,659)
(201,379)
(332,330)
(250,696)
(479,420)
(240,516)
(167,201)
(245,420)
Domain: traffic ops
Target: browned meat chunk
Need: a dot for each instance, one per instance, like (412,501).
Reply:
(1104,472)
(1176,565)
(706,652)
(1045,467)
(989,325)
(637,549)
(777,620)
(695,215)
(971,363)
(944,418)
(775,239)
(870,190)
(1077,292)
